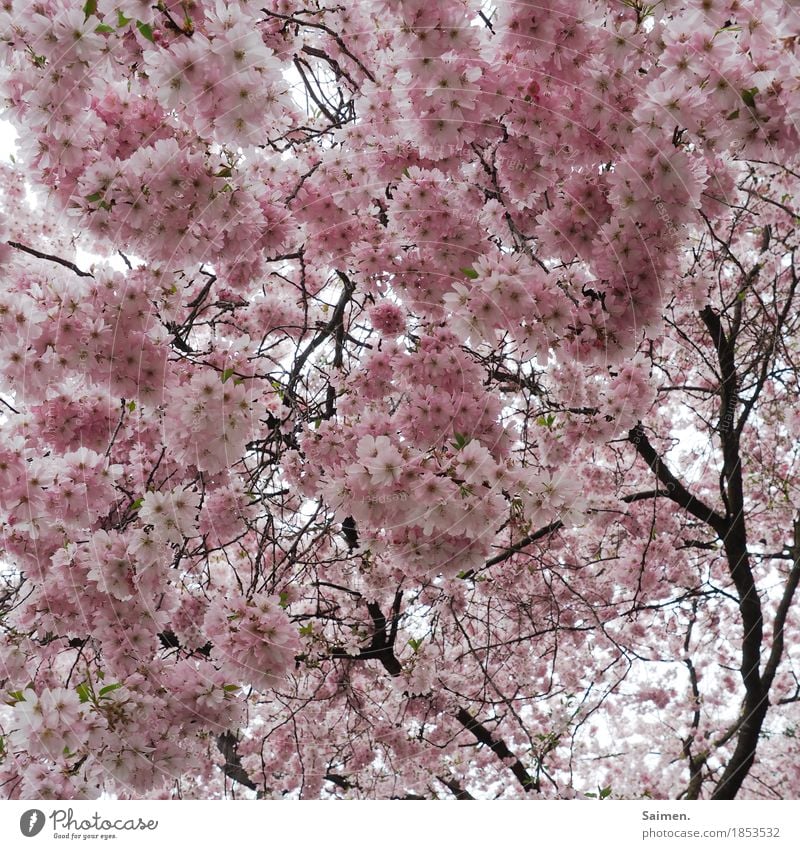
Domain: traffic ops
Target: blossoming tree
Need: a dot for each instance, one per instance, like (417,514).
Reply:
(423,422)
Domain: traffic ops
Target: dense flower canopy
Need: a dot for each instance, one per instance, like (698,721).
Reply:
(399,399)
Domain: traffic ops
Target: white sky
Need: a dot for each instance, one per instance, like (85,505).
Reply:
(7,137)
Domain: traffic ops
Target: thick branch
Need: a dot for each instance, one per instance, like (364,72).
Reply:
(644,496)
(776,653)
(322,334)
(483,735)
(734,540)
(381,647)
(228,744)
(456,789)
(675,490)
(729,394)
(338,780)
(732,531)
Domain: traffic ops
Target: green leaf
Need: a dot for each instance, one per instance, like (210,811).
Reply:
(16,696)
(460,440)
(145,29)
(469,272)
(230,688)
(94,198)
(733,115)
(109,688)
(605,792)
(137,504)
(90,8)
(283,600)
(122,21)
(406,173)
(227,374)
(749,97)
(224,172)
(131,406)
(306,630)
(415,644)
(84,692)
(103,28)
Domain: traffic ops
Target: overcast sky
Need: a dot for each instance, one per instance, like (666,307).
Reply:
(7,136)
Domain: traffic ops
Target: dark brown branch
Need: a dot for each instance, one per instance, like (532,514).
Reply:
(228,745)
(734,540)
(483,735)
(776,653)
(338,780)
(696,762)
(523,543)
(50,258)
(322,334)
(675,490)
(337,68)
(456,789)
(381,647)
(644,496)
(332,119)
(332,33)
(486,21)
(6,404)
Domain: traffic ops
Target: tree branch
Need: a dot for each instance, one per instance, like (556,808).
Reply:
(734,540)
(381,647)
(675,490)
(228,745)
(323,333)
(776,653)
(51,258)
(523,543)
(483,735)
(456,789)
